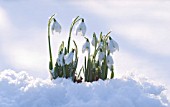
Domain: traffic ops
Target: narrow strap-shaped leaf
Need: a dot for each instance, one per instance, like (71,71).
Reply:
(80,71)
(76,50)
(112,72)
(85,67)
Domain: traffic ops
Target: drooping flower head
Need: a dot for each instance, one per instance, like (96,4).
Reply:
(86,46)
(81,28)
(56,27)
(112,45)
(109,61)
(69,57)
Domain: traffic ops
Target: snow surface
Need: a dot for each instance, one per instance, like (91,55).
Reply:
(18,89)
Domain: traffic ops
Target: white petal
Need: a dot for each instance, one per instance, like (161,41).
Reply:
(111,48)
(56,27)
(81,29)
(68,58)
(85,47)
(109,60)
(60,59)
(101,56)
(93,42)
(114,44)
(52,28)
(77,31)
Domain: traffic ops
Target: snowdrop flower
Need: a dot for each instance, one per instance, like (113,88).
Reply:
(69,57)
(94,40)
(112,45)
(60,58)
(55,26)
(86,46)
(109,60)
(81,28)
(100,55)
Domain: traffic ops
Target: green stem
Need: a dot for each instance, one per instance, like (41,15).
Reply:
(49,44)
(71,28)
(107,35)
(85,67)
(76,48)
(51,62)
(105,62)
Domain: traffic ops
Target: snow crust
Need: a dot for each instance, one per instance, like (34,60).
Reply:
(18,89)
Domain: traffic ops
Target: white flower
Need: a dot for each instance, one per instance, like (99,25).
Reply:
(69,57)
(112,45)
(55,26)
(81,28)
(60,58)
(94,40)
(109,61)
(101,55)
(86,46)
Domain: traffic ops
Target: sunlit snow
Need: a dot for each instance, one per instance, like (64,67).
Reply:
(22,90)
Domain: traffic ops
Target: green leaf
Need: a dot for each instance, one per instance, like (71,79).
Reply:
(94,34)
(86,72)
(64,71)
(76,50)
(50,65)
(112,72)
(65,51)
(112,75)
(89,66)
(80,71)
(68,47)
(56,71)
(101,36)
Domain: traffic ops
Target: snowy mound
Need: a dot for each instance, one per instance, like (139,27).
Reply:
(22,90)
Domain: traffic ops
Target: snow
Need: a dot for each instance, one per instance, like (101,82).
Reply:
(18,89)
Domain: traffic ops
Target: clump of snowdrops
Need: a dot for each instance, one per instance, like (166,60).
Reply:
(97,63)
